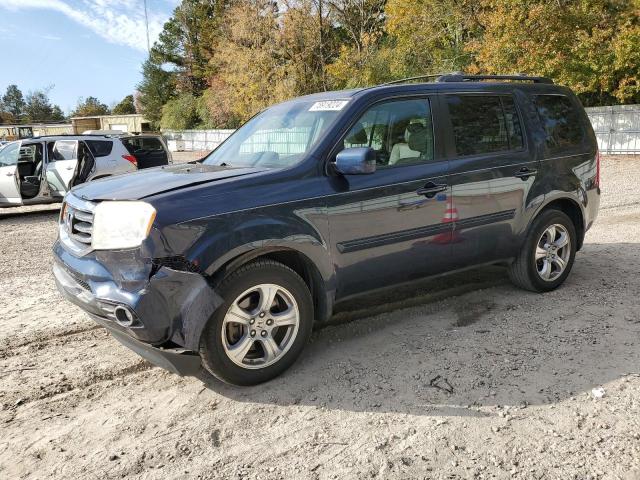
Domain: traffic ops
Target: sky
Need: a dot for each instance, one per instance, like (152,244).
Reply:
(77,48)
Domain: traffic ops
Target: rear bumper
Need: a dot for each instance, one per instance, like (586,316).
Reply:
(169,307)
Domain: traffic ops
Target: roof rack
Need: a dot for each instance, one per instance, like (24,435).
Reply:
(460,77)
(408,79)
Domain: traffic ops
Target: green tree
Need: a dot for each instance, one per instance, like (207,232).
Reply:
(156,89)
(188,40)
(13,101)
(88,107)
(56,114)
(125,107)
(180,113)
(38,108)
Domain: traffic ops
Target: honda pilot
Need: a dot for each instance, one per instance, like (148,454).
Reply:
(228,262)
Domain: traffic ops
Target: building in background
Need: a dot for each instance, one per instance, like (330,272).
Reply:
(124,123)
(16,132)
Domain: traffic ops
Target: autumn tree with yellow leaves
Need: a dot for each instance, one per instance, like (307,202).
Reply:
(228,59)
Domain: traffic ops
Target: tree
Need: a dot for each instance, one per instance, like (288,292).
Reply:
(430,36)
(38,107)
(125,107)
(91,106)
(188,40)
(13,101)
(56,114)
(589,45)
(180,113)
(156,89)
(360,24)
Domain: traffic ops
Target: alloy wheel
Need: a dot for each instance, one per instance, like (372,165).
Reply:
(553,251)
(260,326)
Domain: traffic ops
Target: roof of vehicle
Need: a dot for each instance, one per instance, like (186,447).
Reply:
(83,136)
(440,82)
(67,137)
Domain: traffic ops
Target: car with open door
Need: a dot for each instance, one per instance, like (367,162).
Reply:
(227,263)
(43,169)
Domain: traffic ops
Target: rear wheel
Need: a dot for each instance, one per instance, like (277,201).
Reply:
(547,255)
(262,326)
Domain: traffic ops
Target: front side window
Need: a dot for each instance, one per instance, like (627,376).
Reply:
(560,121)
(484,124)
(400,132)
(279,137)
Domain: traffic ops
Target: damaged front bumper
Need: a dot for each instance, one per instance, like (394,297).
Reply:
(167,309)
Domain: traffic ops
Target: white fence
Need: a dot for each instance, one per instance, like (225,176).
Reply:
(617,128)
(190,140)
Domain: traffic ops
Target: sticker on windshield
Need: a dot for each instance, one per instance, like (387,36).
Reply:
(328,105)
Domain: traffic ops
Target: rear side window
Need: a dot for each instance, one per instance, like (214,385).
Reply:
(484,124)
(560,120)
(99,148)
(149,144)
(64,150)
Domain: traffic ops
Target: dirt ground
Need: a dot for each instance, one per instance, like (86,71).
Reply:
(458,377)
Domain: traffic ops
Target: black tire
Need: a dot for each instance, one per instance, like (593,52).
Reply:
(215,359)
(523,271)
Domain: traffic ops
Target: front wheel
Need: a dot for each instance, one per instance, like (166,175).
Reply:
(262,326)
(546,258)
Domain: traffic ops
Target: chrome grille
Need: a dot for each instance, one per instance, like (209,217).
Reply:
(80,224)
(76,224)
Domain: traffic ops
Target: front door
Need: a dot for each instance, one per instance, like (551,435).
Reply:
(62,162)
(9,182)
(492,174)
(391,226)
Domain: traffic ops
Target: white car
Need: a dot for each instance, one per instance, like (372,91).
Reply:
(43,169)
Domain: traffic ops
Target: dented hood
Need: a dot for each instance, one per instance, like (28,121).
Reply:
(153,181)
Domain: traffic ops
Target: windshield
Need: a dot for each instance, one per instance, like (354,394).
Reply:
(279,137)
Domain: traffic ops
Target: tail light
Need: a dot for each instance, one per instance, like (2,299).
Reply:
(597,181)
(132,159)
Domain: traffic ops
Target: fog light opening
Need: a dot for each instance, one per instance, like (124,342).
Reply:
(124,316)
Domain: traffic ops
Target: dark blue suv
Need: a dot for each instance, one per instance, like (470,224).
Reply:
(229,261)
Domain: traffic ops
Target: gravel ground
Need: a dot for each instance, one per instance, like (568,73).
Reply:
(462,377)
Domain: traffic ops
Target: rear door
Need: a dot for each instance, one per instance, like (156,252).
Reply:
(493,176)
(9,185)
(149,151)
(63,159)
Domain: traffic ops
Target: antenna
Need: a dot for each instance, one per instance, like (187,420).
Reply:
(146,21)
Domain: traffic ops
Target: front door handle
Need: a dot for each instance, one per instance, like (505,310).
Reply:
(430,189)
(525,173)
(10,174)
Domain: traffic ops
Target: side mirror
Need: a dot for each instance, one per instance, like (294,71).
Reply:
(356,161)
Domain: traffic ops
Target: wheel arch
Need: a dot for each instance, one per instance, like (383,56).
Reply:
(572,208)
(319,282)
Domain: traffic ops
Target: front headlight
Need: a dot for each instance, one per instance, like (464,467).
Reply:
(119,225)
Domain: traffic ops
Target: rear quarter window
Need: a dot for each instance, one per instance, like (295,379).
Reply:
(561,121)
(99,148)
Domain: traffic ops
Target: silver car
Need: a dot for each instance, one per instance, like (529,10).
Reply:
(43,169)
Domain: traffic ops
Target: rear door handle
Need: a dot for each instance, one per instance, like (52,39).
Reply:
(525,173)
(430,189)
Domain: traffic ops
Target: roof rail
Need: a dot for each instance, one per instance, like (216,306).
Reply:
(408,79)
(460,77)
